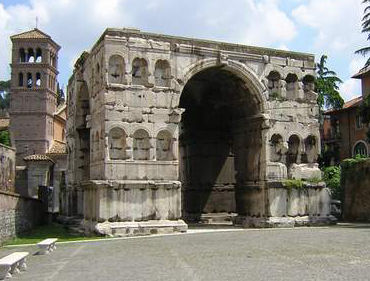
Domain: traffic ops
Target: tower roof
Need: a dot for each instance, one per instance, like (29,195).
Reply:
(33,34)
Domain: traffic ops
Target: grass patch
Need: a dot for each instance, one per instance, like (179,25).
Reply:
(293,183)
(53,230)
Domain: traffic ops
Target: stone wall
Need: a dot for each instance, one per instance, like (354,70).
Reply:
(356,185)
(7,168)
(18,214)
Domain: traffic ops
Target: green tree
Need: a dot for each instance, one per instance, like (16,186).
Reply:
(4,94)
(365,29)
(331,177)
(327,86)
(365,114)
(60,95)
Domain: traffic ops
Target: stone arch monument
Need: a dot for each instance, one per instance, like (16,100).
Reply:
(184,130)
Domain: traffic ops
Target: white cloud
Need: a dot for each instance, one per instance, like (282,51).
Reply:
(268,24)
(356,64)
(283,47)
(76,25)
(337,22)
(350,89)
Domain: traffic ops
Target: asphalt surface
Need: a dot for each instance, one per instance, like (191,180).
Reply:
(333,253)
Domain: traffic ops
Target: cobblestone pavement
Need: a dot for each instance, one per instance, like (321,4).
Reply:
(332,253)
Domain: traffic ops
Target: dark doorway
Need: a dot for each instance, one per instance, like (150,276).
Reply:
(220,144)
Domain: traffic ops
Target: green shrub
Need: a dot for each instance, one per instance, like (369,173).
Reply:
(5,137)
(332,179)
(350,162)
(293,183)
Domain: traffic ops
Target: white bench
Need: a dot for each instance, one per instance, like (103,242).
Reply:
(12,263)
(46,246)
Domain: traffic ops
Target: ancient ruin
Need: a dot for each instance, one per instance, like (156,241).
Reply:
(164,129)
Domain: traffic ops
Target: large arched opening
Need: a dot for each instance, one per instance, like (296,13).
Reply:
(221,146)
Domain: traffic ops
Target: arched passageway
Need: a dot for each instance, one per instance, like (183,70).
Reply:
(220,145)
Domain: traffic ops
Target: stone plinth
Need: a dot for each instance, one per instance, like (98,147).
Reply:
(139,228)
(131,202)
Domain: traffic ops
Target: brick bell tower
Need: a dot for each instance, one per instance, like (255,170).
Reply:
(34,71)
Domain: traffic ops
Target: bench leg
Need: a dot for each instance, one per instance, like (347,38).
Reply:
(23,265)
(4,272)
(14,268)
(43,251)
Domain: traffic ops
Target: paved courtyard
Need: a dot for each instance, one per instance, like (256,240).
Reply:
(327,253)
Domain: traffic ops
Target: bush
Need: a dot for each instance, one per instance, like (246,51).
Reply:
(292,183)
(332,179)
(5,138)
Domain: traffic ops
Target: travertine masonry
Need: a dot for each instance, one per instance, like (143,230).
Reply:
(164,128)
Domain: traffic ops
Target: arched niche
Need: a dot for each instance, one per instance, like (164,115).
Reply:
(141,145)
(308,83)
(277,149)
(164,146)
(116,70)
(275,85)
(162,73)
(117,144)
(139,72)
(311,149)
(292,86)
(96,147)
(294,144)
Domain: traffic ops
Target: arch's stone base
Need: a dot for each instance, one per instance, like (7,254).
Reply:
(289,207)
(284,222)
(124,229)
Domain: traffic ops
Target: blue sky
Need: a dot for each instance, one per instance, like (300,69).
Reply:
(329,27)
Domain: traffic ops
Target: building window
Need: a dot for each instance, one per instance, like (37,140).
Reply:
(359,124)
(38,79)
(29,80)
(360,149)
(22,55)
(20,79)
(38,55)
(31,55)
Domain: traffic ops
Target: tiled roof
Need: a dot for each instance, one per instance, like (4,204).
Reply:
(347,105)
(37,157)
(32,34)
(362,72)
(353,103)
(58,148)
(4,123)
(60,109)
